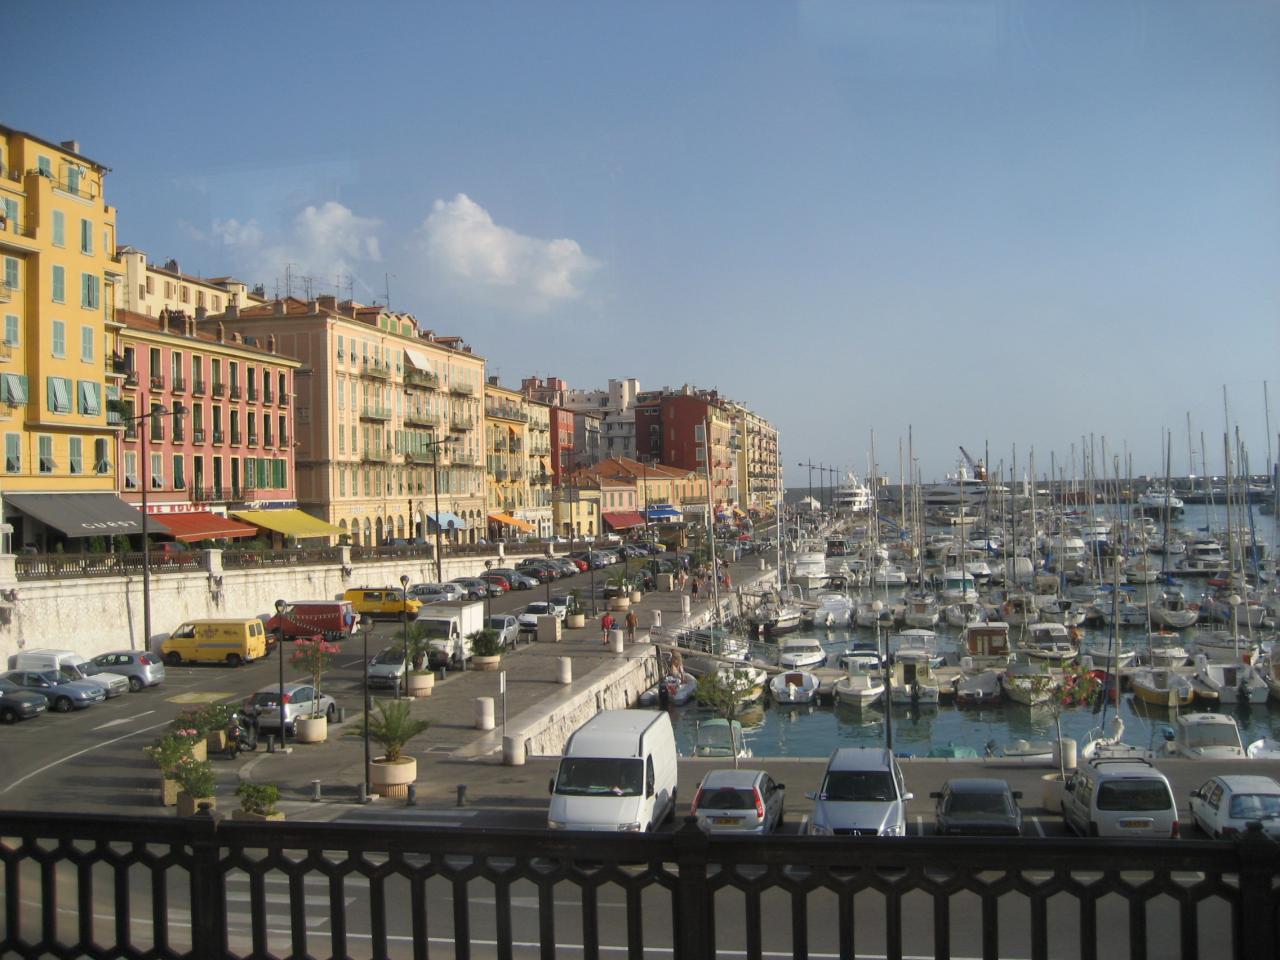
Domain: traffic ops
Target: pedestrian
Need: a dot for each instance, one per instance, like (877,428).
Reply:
(693,590)
(606,624)
(728,581)
(632,622)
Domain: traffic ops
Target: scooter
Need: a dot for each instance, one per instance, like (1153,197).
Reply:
(242,734)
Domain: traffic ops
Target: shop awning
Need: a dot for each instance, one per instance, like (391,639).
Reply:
(448,521)
(511,521)
(84,514)
(664,511)
(291,522)
(202,525)
(418,359)
(624,520)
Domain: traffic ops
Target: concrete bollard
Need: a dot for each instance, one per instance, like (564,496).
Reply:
(1067,752)
(411,797)
(513,751)
(484,713)
(616,640)
(315,791)
(686,605)
(762,566)
(566,670)
(657,619)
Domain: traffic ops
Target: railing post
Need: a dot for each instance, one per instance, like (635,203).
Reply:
(208,889)
(1256,918)
(692,914)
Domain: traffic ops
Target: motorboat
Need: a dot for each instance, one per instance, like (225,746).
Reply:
(746,682)
(801,652)
(1105,655)
(1019,608)
(1120,608)
(1028,682)
(1098,739)
(1224,646)
(860,687)
(917,642)
(1162,687)
(1205,736)
(874,613)
(674,690)
(984,645)
(1157,500)
(1204,558)
(809,563)
(720,738)
(1249,612)
(964,614)
(956,586)
(860,650)
(1231,682)
(852,495)
(1172,611)
(1164,649)
(921,611)
(776,617)
(978,689)
(911,678)
(888,575)
(794,686)
(1049,643)
(1264,749)
(833,609)
(1060,610)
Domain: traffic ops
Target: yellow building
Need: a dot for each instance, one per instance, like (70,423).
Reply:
(59,360)
(538,469)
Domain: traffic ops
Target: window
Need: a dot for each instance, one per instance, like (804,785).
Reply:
(89,291)
(73,178)
(342,476)
(157,471)
(59,229)
(59,395)
(168,290)
(342,441)
(130,470)
(100,462)
(280,382)
(342,395)
(86,236)
(45,166)
(90,398)
(59,338)
(175,364)
(75,454)
(11,273)
(184,293)
(199,298)
(59,284)
(179,472)
(217,304)
(12,453)
(46,455)
(11,335)
(13,387)
(157,422)
(10,212)
(86,344)
(150,285)
(340,353)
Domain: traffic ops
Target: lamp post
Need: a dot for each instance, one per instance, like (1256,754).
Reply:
(810,466)
(404,619)
(488,595)
(366,628)
(876,608)
(435,490)
(284,730)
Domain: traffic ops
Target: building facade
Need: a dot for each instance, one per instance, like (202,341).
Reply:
(151,289)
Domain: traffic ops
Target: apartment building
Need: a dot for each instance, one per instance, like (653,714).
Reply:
(389,420)
(151,289)
(506,445)
(538,467)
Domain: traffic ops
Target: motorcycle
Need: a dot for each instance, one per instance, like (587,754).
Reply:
(242,734)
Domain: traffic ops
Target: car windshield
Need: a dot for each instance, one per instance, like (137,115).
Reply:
(1134,795)
(1255,806)
(728,798)
(391,655)
(265,698)
(497,623)
(89,668)
(537,608)
(859,785)
(980,803)
(592,776)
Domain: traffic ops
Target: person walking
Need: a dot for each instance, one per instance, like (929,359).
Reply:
(606,624)
(693,589)
(632,622)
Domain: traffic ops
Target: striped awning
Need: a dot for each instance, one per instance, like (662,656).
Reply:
(291,522)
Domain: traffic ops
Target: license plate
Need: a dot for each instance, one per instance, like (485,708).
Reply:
(724,821)
(1136,824)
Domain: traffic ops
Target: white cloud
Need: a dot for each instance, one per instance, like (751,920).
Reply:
(465,248)
(322,242)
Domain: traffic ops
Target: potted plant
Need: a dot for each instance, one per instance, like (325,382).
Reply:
(195,777)
(313,654)
(167,753)
(575,618)
(193,726)
(621,589)
(214,719)
(1071,689)
(421,680)
(391,727)
(257,802)
(486,650)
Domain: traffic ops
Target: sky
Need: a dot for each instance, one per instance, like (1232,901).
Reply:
(1016,227)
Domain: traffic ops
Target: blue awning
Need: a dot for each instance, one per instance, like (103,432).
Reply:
(448,521)
(664,511)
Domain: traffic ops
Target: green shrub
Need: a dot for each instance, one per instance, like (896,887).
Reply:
(486,643)
(195,777)
(259,798)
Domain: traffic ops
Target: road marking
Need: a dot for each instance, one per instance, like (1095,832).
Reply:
(208,697)
(80,753)
(1039,826)
(919,826)
(114,723)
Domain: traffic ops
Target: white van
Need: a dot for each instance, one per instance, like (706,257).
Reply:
(72,666)
(618,773)
(1119,796)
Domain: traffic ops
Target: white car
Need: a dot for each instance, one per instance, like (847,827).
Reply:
(528,617)
(1225,806)
(508,628)
(435,592)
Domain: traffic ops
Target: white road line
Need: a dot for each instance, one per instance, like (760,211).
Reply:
(919,826)
(79,753)
(114,723)
(1039,826)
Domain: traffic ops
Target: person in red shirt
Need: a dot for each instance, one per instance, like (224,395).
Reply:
(606,624)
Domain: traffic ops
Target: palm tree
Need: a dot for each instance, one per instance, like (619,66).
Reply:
(391,727)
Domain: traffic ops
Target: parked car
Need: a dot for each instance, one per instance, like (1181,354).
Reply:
(386,668)
(64,695)
(1225,806)
(591,559)
(497,580)
(508,628)
(977,806)
(1119,797)
(299,701)
(435,592)
(862,794)
(72,666)
(519,579)
(539,568)
(19,704)
(476,588)
(381,601)
(333,620)
(528,617)
(738,801)
(143,669)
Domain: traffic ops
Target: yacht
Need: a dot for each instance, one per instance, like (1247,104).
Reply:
(861,686)
(852,496)
(1173,611)
(1205,736)
(801,652)
(1231,682)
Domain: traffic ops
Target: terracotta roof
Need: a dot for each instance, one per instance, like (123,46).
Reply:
(204,334)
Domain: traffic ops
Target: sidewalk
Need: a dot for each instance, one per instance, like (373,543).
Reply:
(453,751)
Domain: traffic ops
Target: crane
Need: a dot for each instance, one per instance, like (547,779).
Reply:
(977,466)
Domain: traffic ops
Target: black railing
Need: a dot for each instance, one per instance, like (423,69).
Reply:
(240,559)
(168,882)
(68,566)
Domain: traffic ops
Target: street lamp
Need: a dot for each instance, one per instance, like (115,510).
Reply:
(284,730)
(488,595)
(435,489)
(366,628)
(876,608)
(404,617)
(810,466)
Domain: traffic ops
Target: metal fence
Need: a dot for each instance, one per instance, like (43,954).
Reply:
(56,566)
(240,559)
(105,886)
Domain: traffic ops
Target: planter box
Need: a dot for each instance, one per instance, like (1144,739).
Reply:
(311,729)
(189,806)
(636,596)
(169,791)
(489,664)
(576,621)
(215,741)
(421,684)
(200,750)
(620,603)
(249,815)
(392,778)
(1051,792)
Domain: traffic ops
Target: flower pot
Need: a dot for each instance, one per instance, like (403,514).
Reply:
(391,778)
(1051,792)
(250,815)
(636,596)
(490,664)
(189,806)
(311,729)
(215,741)
(576,621)
(421,684)
(200,751)
(169,791)
(620,603)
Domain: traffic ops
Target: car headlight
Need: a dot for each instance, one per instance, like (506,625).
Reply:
(555,824)
(819,829)
(895,830)
(629,828)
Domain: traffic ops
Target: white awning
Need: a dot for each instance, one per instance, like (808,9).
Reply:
(418,359)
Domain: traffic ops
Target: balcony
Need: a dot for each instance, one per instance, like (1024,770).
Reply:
(377,455)
(421,379)
(179,431)
(235,391)
(201,494)
(251,440)
(505,411)
(266,442)
(253,394)
(179,385)
(463,389)
(219,389)
(421,419)
(114,366)
(6,293)
(463,460)
(283,400)
(131,379)
(218,436)
(197,435)
(268,397)
(197,387)
(426,457)
(375,369)
(157,381)
(461,424)
(372,411)
(131,431)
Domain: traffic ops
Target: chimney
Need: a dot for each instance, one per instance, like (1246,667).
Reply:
(493,381)
(281,309)
(222,333)
(313,306)
(72,146)
(328,302)
(235,336)
(201,313)
(232,311)
(271,343)
(164,320)
(191,326)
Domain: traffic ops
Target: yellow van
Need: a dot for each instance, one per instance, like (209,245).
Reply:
(381,601)
(232,642)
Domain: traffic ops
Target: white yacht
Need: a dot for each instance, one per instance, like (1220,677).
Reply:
(852,496)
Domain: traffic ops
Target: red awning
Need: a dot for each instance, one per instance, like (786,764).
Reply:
(202,525)
(624,521)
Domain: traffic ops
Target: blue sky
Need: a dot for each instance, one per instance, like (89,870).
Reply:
(994,223)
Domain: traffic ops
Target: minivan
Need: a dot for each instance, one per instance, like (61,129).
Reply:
(862,794)
(74,667)
(232,642)
(381,602)
(1119,796)
(618,773)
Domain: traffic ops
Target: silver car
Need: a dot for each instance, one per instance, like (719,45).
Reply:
(64,695)
(113,684)
(142,669)
(862,794)
(387,668)
(508,628)
(300,701)
(738,801)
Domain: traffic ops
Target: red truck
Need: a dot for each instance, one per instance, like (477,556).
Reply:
(331,619)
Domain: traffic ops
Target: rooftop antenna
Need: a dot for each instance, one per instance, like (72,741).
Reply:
(386,281)
(306,286)
(288,279)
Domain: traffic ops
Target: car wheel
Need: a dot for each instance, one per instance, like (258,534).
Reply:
(63,704)
(173,659)
(234,660)
(135,684)
(8,715)
(330,713)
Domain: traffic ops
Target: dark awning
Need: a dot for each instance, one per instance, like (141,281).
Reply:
(624,520)
(203,525)
(84,514)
